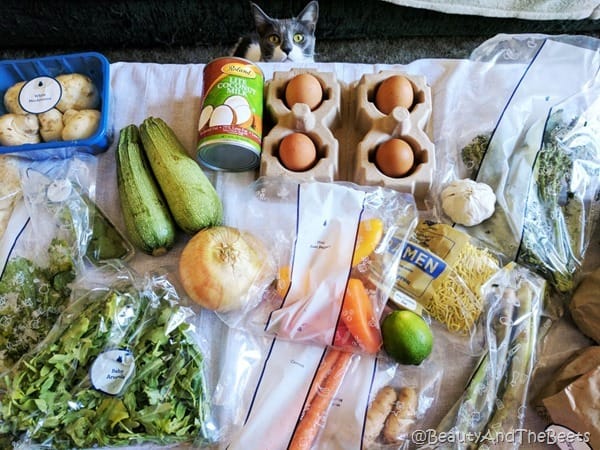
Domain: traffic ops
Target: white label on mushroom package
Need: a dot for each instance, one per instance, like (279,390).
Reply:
(39,95)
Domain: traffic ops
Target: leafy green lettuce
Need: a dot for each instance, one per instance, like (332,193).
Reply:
(50,395)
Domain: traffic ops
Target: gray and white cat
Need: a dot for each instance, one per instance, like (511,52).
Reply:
(280,40)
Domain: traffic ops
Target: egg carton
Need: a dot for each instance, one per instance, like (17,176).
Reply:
(408,124)
(317,124)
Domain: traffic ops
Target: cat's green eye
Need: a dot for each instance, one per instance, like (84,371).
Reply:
(298,37)
(274,39)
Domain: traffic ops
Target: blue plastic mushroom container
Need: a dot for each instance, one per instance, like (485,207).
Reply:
(42,71)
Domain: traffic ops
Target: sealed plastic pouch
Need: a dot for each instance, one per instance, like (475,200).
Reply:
(535,144)
(493,402)
(441,273)
(42,251)
(290,395)
(122,366)
(335,246)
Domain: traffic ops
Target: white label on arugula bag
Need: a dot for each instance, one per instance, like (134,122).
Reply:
(40,94)
(111,370)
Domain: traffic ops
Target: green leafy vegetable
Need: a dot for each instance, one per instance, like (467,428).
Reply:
(472,154)
(561,195)
(31,298)
(52,396)
(554,227)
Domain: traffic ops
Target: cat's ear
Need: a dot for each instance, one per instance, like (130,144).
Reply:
(310,14)
(261,19)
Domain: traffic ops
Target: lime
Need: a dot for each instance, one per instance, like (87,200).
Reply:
(407,338)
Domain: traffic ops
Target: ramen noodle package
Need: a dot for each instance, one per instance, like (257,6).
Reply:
(441,271)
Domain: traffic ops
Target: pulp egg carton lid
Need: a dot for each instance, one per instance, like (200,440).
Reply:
(45,88)
(316,123)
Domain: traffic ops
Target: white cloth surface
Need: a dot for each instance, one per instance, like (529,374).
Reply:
(173,92)
(520,9)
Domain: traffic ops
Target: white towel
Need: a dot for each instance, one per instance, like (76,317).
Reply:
(520,9)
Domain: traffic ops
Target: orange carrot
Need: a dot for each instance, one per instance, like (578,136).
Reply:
(322,372)
(313,418)
(359,317)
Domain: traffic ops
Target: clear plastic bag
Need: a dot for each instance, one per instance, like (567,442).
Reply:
(42,252)
(441,275)
(494,401)
(123,366)
(282,392)
(336,246)
(10,189)
(533,139)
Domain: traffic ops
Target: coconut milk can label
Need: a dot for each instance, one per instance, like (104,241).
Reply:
(230,123)
(241,70)
(112,370)
(40,95)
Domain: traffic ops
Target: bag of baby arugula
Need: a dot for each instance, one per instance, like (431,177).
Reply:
(126,364)
(328,261)
(42,249)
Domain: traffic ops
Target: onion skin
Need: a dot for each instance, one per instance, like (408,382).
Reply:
(219,265)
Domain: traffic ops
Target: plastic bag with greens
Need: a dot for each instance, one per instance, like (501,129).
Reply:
(540,153)
(121,367)
(41,252)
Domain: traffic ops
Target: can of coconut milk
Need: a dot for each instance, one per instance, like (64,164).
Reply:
(230,125)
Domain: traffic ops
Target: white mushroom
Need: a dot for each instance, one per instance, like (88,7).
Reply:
(51,125)
(11,99)
(19,129)
(80,124)
(78,92)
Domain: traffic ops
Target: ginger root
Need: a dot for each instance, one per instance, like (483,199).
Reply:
(401,419)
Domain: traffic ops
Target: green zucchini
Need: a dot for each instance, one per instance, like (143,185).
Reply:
(147,218)
(191,197)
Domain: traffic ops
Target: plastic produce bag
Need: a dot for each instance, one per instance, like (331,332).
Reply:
(284,394)
(336,246)
(494,400)
(42,251)
(442,272)
(10,189)
(122,366)
(535,143)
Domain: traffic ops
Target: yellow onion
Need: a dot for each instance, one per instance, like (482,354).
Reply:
(219,266)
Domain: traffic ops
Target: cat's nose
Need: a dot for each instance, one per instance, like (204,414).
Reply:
(286,48)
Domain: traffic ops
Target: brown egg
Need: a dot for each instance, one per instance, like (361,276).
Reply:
(297,152)
(394,158)
(304,88)
(394,91)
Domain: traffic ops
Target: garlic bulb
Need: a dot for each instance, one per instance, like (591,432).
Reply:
(468,202)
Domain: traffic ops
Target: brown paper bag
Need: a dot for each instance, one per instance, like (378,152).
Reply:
(581,362)
(585,305)
(577,407)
